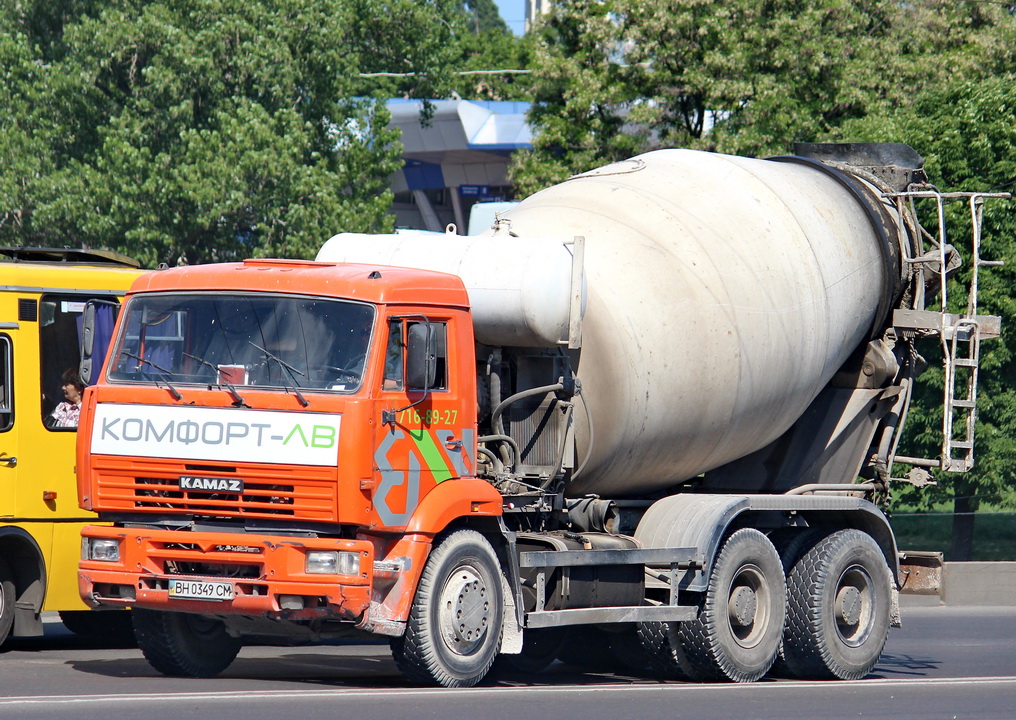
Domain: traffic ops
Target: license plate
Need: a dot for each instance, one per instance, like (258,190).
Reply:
(200,590)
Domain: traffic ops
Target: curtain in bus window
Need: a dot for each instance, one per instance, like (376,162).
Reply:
(105,318)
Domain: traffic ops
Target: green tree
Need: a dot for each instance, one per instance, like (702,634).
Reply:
(486,49)
(617,77)
(208,129)
(965,131)
(24,153)
(581,93)
(483,16)
(748,78)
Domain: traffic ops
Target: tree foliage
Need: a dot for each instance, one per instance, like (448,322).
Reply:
(207,129)
(486,49)
(751,77)
(967,133)
(483,17)
(580,92)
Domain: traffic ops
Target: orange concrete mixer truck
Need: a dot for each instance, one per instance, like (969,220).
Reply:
(650,413)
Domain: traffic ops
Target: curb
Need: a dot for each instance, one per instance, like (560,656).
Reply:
(970,583)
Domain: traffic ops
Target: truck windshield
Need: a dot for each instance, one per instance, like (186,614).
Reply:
(234,340)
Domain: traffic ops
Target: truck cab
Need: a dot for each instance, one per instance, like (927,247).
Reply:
(276,450)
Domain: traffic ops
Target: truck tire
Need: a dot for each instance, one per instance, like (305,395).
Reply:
(184,645)
(791,544)
(838,608)
(6,600)
(736,635)
(454,629)
(655,639)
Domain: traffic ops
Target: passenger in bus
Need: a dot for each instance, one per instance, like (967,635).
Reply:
(66,413)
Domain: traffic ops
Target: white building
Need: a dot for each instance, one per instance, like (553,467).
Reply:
(460,158)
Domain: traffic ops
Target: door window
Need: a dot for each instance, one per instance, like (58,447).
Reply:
(60,330)
(395,355)
(6,384)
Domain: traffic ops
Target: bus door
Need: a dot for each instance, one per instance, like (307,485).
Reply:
(8,436)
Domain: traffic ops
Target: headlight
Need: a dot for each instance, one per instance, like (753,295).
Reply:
(333,562)
(100,549)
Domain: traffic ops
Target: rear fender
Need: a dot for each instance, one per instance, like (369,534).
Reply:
(703,521)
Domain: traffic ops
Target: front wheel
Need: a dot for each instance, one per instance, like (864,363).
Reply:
(838,608)
(736,635)
(454,629)
(184,645)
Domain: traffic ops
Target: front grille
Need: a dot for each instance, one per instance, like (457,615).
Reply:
(306,499)
(213,570)
(264,499)
(235,560)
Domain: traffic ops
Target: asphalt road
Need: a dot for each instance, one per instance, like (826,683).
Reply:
(946,662)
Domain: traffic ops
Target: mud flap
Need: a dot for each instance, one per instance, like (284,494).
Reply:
(511,633)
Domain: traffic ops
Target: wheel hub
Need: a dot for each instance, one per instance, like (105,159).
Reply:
(465,611)
(743,606)
(854,606)
(848,606)
(747,606)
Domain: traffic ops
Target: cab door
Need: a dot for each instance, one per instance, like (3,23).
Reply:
(426,436)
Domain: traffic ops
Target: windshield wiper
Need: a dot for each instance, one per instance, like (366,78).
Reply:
(164,375)
(219,373)
(289,369)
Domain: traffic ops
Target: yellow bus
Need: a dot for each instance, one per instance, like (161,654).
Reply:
(43,293)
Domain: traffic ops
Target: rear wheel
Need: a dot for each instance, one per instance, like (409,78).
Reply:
(655,639)
(737,632)
(6,600)
(454,629)
(184,645)
(791,545)
(838,611)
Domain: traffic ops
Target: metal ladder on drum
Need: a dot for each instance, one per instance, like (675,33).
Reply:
(963,367)
(959,335)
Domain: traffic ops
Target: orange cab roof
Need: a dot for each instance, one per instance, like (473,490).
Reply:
(369,283)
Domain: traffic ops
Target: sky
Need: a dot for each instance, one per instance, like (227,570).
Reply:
(513,12)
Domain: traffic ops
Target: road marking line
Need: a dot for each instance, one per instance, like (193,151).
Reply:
(528,689)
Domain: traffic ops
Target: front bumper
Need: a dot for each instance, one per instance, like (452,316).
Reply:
(267,573)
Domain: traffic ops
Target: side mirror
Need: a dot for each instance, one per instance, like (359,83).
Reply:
(87,341)
(421,357)
(96,328)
